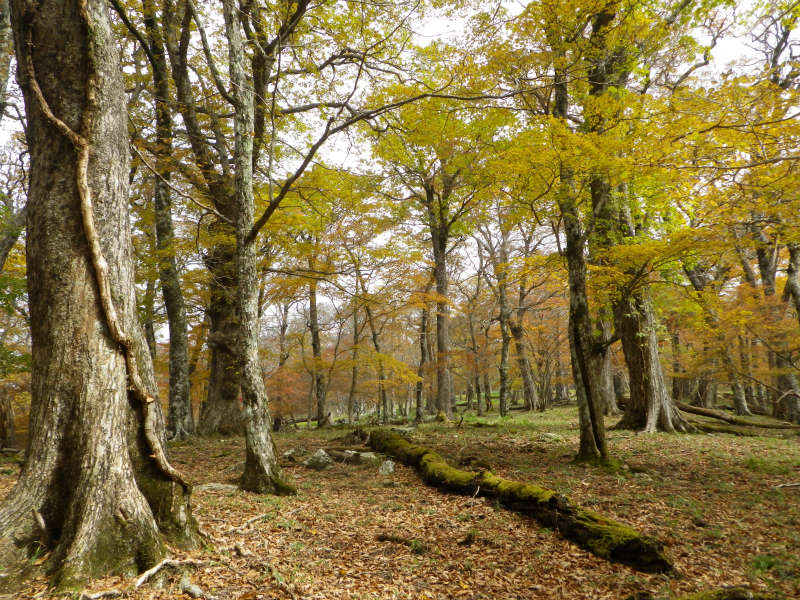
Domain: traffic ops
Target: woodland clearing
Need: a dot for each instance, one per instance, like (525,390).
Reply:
(711,499)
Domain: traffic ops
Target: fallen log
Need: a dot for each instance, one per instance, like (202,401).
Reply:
(726,593)
(715,414)
(739,430)
(603,537)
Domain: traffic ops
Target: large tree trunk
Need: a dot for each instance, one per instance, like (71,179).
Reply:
(180,422)
(95,474)
(221,411)
(791,293)
(650,407)
(524,365)
(587,355)
(439,240)
(261,471)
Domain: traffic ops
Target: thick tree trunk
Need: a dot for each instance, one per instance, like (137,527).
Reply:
(221,411)
(791,293)
(180,421)
(650,407)
(439,240)
(261,471)
(524,365)
(600,535)
(95,475)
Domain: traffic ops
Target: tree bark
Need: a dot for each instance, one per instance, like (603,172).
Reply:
(791,291)
(261,471)
(420,385)
(439,240)
(180,421)
(318,375)
(351,396)
(650,407)
(8,433)
(95,473)
(221,410)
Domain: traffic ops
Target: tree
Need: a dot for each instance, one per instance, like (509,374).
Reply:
(433,153)
(96,488)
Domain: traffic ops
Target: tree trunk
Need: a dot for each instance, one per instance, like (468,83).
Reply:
(420,386)
(180,421)
(221,412)
(95,474)
(316,350)
(439,240)
(261,472)
(524,365)
(8,434)
(148,315)
(791,292)
(383,400)
(650,407)
(351,396)
(505,342)
(15,222)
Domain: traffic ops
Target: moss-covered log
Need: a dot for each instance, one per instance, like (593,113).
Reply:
(594,532)
(726,593)
(715,414)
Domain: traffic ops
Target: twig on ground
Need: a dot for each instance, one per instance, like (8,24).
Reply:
(98,595)
(788,485)
(167,562)
(247,523)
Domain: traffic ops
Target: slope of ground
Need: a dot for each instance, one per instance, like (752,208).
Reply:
(712,500)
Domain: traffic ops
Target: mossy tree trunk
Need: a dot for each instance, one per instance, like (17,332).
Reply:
(94,490)
(597,534)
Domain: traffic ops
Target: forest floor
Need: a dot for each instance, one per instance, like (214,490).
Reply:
(711,499)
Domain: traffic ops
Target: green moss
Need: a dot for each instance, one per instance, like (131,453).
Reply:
(436,470)
(600,535)
(515,490)
(732,593)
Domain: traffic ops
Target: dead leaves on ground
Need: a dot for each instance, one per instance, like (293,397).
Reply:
(715,507)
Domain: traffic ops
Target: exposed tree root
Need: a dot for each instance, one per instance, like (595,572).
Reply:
(593,532)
